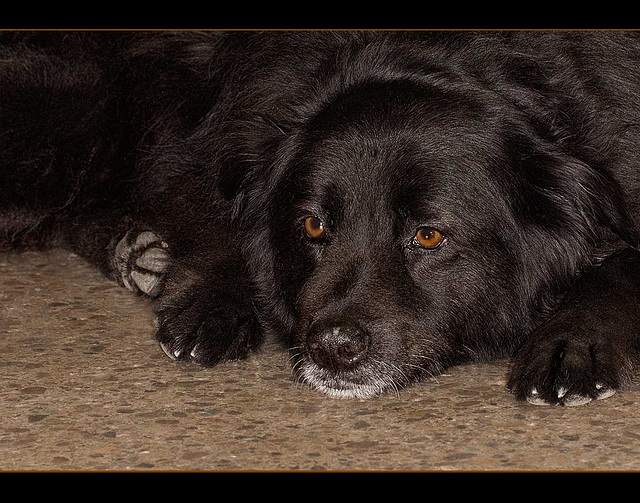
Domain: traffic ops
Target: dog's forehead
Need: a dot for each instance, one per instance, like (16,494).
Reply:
(401,168)
(391,149)
(381,132)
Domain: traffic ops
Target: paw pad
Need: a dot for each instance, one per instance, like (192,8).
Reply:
(141,259)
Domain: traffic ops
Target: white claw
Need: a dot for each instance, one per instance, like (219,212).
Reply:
(606,393)
(576,400)
(168,352)
(570,400)
(534,399)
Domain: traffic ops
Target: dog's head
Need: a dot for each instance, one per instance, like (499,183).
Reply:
(410,226)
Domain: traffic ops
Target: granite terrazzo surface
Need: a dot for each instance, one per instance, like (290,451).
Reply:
(83,386)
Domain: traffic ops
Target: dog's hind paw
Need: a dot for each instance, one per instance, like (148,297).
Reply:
(140,259)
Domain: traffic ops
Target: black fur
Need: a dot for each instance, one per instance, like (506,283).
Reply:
(193,160)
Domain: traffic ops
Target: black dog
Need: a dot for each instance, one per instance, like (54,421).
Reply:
(388,204)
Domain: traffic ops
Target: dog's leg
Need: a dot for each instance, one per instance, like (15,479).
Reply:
(205,312)
(586,351)
(201,293)
(122,249)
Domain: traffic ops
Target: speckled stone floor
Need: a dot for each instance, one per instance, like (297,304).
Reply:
(83,386)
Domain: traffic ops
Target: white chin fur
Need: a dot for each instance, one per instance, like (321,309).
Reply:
(337,387)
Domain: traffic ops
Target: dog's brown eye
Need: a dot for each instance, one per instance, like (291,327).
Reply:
(314,228)
(429,238)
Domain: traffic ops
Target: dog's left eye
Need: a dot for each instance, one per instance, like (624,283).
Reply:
(314,228)
(429,238)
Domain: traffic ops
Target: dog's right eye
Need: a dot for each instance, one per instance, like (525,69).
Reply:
(429,238)
(314,228)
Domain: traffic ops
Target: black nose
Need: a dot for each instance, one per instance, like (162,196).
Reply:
(337,347)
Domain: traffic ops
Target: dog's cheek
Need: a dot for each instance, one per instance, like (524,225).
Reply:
(411,343)
(293,268)
(467,303)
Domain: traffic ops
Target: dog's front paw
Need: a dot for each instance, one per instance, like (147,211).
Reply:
(557,366)
(204,324)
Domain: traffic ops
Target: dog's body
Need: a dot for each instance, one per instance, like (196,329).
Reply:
(388,204)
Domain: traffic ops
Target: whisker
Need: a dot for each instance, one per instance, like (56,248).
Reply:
(294,355)
(297,364)
(388,379)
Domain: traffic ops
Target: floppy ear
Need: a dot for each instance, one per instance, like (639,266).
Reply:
(231,175)
(564,207)
(248,142)
(579,198)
